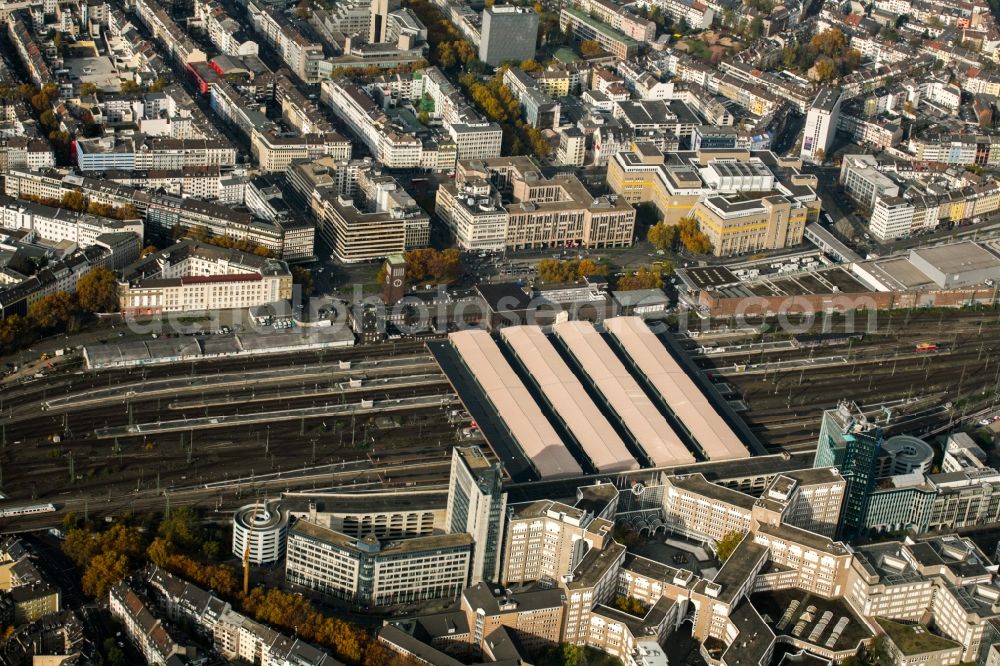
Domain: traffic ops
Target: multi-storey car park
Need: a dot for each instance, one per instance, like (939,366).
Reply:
(715,438)
(623,394)
(568,399)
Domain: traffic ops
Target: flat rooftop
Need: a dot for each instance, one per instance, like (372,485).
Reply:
(367,502)
(829,280)
(719,471)
(696,484)
(772,605)
(734,573)
(754,639)
(806,538)
(960,555)
(387,547)
(709,277)
(540,508)
(896,272)
(595,564)
(958,257)
(481,596)
(654,570)
(827,99)
(914,639)
(601,27)
(827,241)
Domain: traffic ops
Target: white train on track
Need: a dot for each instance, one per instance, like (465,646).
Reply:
(28,510)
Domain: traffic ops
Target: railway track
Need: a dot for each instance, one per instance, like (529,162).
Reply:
(784,409)
(245,381)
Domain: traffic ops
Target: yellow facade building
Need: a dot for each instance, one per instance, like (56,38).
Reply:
(744,201)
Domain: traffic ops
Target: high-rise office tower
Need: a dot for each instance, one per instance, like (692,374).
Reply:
(477,506)
(379,24)
(851,442)
(821,125)
(508,33)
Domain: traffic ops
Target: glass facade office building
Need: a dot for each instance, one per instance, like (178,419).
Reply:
(851,443)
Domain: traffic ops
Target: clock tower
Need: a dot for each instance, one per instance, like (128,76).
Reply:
(395,277)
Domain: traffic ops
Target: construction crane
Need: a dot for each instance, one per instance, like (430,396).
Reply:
(246,569)
(246,555)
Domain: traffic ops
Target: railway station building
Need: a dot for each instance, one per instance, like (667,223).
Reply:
(585,400)
(191,276)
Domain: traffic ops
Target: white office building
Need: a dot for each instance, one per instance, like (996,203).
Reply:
(891,218)
(821,125)
(476,141)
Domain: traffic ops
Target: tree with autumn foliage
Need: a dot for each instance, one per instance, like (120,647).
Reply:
(221,578)
(825,57)
(431,266)
(233,244)
(182,526)
(58,310)
(824,69)
(97,290)
(829,42)
(103,572)
(540,148)
(663,235)
(590,49)
(347,641)
(105,557)
(554,270)
(630,605)
(692,237)
(644,278)
(728,543)
(15,332)
(531,65)
(74,200)
(304,278)
(124,212)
